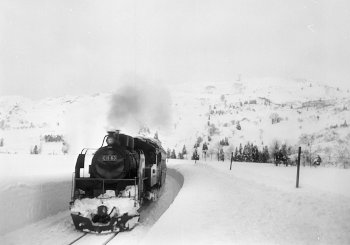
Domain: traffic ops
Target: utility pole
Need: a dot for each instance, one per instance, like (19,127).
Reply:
(298,167)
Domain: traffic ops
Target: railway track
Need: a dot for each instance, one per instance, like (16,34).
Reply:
(174,184)
(77,239)
(89,238)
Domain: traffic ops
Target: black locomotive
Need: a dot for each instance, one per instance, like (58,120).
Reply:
(122,175)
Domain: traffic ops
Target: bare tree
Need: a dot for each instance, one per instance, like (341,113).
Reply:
(307,140)
(343,156)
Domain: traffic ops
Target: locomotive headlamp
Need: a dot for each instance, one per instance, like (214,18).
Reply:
(110,140)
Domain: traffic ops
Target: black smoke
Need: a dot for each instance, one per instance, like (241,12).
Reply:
(138,105)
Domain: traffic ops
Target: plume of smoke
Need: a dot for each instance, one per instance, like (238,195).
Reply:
(140,104)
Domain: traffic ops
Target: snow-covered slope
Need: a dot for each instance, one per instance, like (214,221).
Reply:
(75,121)
(267,110)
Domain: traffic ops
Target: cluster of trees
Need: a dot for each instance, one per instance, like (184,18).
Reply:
(224,142)
(53,138)
(213,130)
(171,154)
(246,153)
(251,153)
(275,118)
(217,112)
(183,154)
(280,151)
(344,125)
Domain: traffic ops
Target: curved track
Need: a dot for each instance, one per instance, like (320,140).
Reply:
(59,229)
(87,238)
(149,214)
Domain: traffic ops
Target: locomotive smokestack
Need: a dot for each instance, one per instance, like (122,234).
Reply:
(113,133)
(113,137)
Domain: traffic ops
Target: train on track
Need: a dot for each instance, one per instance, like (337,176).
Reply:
(124,172)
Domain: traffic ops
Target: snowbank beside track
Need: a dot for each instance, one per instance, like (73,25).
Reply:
(33,187)
(27,204)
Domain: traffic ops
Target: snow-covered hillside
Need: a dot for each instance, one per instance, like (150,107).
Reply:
(266,110)
(263,112)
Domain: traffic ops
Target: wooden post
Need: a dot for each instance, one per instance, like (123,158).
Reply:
(231,160)
(298,167)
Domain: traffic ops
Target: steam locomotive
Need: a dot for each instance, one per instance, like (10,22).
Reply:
(124,172)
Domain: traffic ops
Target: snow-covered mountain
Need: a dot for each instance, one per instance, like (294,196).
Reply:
(260,111)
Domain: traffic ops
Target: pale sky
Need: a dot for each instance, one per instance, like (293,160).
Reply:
(59,47)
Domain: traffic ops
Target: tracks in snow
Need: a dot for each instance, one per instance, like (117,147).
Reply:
(149,215)
(77,239)
(90,238)
(59,229)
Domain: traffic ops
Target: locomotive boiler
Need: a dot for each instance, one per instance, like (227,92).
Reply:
(124,172)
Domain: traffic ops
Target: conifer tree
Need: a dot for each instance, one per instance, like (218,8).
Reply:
(266,155)
(205,146)
(226,141)
(284,151)
(255,154)
(240,153)
(184,151)
(236,158)
(173,154)
(35,150)
(168,153)
(222,155)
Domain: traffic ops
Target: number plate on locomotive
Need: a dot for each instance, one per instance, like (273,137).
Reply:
(109,157)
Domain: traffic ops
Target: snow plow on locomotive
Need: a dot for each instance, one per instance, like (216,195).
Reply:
(122,174)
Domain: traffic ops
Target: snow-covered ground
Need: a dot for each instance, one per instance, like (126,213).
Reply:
(256,204)
(251,204)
